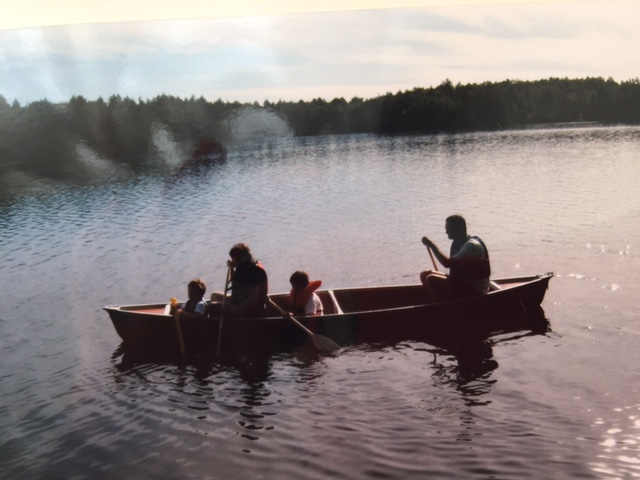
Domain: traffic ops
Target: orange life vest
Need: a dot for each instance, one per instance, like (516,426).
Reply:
(299,299)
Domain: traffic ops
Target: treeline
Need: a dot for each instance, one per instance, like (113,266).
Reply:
(485,106)
(49,138)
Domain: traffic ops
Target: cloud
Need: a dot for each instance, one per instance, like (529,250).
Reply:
(304,56)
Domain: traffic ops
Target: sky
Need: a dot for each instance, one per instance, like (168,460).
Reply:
(326,54)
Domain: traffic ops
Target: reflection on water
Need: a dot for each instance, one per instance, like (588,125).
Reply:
(620,444)
(471,372)
(472,363)
(463,362)
(350,210)
(211,393)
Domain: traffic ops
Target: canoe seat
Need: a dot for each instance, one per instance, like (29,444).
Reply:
(329,302)
(334,302)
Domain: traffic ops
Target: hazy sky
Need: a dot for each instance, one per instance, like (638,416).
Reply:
(361,53)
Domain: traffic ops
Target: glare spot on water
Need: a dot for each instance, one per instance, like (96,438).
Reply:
(620,447)
(579,276)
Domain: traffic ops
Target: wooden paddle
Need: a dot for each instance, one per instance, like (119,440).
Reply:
(224,298)
(433,260)
(322,343)
(176,317)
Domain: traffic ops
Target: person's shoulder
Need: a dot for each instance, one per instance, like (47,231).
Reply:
(472,246)
(475,241)
(259,270)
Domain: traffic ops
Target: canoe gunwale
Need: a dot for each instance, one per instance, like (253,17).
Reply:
(143,309)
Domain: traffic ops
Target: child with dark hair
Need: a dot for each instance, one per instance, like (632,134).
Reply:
(304,300)
(196,306)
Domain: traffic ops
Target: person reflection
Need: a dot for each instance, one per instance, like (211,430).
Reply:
(471,375)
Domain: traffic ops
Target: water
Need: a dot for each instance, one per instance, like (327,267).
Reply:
(350,210)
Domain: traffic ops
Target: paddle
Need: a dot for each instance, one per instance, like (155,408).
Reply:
(176,317)
(224,298)
(433,260)
(322,343)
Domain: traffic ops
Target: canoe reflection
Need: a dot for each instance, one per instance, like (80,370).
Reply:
(463,359)
(470,371)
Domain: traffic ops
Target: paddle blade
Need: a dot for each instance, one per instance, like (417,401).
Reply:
(324,344)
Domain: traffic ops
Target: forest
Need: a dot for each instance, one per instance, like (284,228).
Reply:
(49,139)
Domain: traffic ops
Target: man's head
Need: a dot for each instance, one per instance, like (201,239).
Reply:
(240,254)
(456,227)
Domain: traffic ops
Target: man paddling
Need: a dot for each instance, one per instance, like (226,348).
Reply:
(249,286)
(468,264)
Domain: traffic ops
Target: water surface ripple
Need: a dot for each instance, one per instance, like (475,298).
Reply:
(560,403)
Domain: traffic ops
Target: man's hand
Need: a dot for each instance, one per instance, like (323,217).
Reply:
(427,243)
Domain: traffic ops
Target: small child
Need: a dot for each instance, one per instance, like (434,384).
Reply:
(195,307)
(304,300)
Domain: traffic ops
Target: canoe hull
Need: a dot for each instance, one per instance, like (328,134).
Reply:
(367,314)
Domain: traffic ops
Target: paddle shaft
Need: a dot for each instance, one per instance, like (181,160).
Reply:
(291,317)
(176,317)
(224,298)
(433,260)
(321,342)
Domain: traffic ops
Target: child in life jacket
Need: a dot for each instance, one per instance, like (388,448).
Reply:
(304,300)
(196,306)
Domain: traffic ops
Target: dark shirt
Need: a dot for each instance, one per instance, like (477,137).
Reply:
(246,278)
(190,306)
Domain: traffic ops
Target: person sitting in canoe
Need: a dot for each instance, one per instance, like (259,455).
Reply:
(468,264)
(304,300)
(249,286)
(195,307)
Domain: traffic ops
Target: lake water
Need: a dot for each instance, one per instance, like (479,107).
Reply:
(351,211)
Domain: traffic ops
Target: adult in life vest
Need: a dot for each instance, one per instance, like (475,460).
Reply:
(304,300)
(468,264)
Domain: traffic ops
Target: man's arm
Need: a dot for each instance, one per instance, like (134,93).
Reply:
(442,258)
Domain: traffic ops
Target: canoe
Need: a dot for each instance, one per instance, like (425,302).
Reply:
(351,315)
